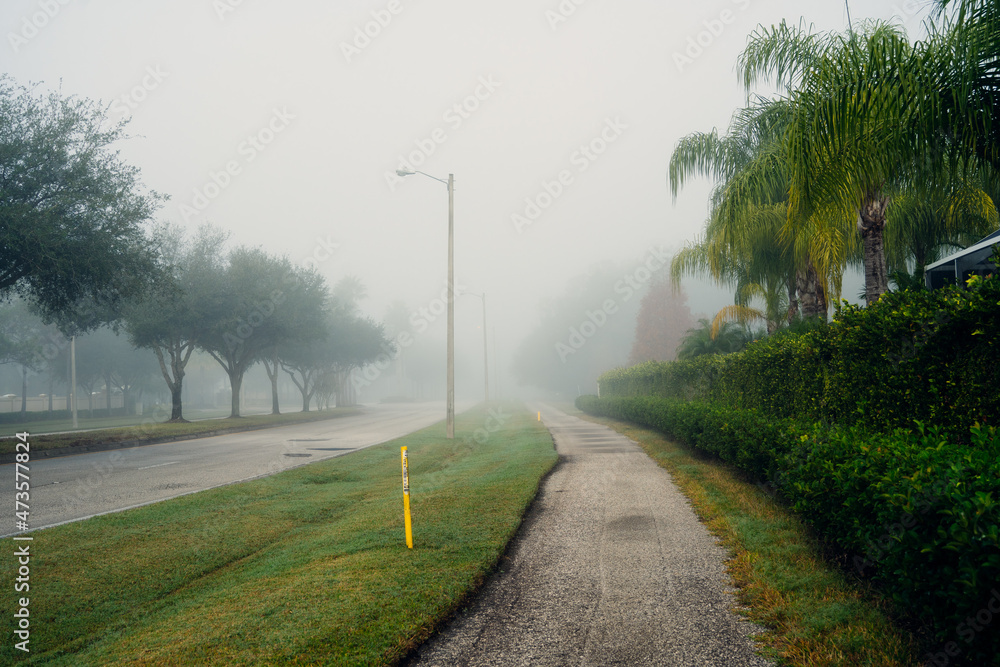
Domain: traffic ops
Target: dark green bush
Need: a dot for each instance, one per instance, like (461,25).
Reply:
(686,380)
(929,356)
(918,511)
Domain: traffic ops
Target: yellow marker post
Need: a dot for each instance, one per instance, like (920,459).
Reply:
(406,500)
(539,415)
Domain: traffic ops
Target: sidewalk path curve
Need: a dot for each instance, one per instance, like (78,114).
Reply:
(611,567)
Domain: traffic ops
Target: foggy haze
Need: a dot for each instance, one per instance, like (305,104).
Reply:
(284,123)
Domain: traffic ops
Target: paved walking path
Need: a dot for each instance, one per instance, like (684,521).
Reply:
(611,567)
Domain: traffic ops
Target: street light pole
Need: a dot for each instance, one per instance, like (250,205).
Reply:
(451,307)
(72,381)
(450,409)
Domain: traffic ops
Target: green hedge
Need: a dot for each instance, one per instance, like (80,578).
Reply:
(747,439)
(685,380)
(913,509)
(930,356)
(918,511)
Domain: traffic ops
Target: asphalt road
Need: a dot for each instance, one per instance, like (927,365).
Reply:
(611,567)
(76,487)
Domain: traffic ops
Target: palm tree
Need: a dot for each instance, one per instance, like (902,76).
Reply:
(842,142)
(759,269)
(866,125)
(965,105)
(747,243)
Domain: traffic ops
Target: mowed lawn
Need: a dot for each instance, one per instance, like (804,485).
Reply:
(306,567)
(149,430)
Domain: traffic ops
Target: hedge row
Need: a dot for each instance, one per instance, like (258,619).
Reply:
(745,438)
(910,507)
(929,356)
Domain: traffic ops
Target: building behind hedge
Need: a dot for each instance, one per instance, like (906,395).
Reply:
(959,267)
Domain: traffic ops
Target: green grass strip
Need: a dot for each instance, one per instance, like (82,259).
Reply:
(814,614)
(152,431)
(305,567)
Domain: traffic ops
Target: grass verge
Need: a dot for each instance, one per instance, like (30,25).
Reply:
(39,422)
(307,567)
(814,614)
(164,430)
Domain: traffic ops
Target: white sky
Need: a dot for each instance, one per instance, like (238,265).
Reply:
(227,69)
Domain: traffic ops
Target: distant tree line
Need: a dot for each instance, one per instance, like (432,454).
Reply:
(77,251)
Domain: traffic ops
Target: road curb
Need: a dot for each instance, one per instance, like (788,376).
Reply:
(10,457)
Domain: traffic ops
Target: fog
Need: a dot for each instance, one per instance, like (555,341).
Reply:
(284,123)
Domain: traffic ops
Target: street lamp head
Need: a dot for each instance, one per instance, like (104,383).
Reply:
(404,172)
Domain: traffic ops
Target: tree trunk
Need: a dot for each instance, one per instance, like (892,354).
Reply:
(871,224)
(107,392)
(236,381)
(303,388)
(793,301)
(175,402)
(341,385)
(920,258)
(273,377)
(174,380)
(811,293)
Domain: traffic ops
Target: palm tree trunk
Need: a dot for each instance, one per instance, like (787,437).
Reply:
(793,299)
(871,224)
(811,292)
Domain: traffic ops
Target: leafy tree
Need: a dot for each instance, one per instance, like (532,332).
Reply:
(348,292)
(356,341)
(236,330)
(314,363)
(305,361)
(71,211)
(297,322)
(259,302)
(663,318)
(172,319)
